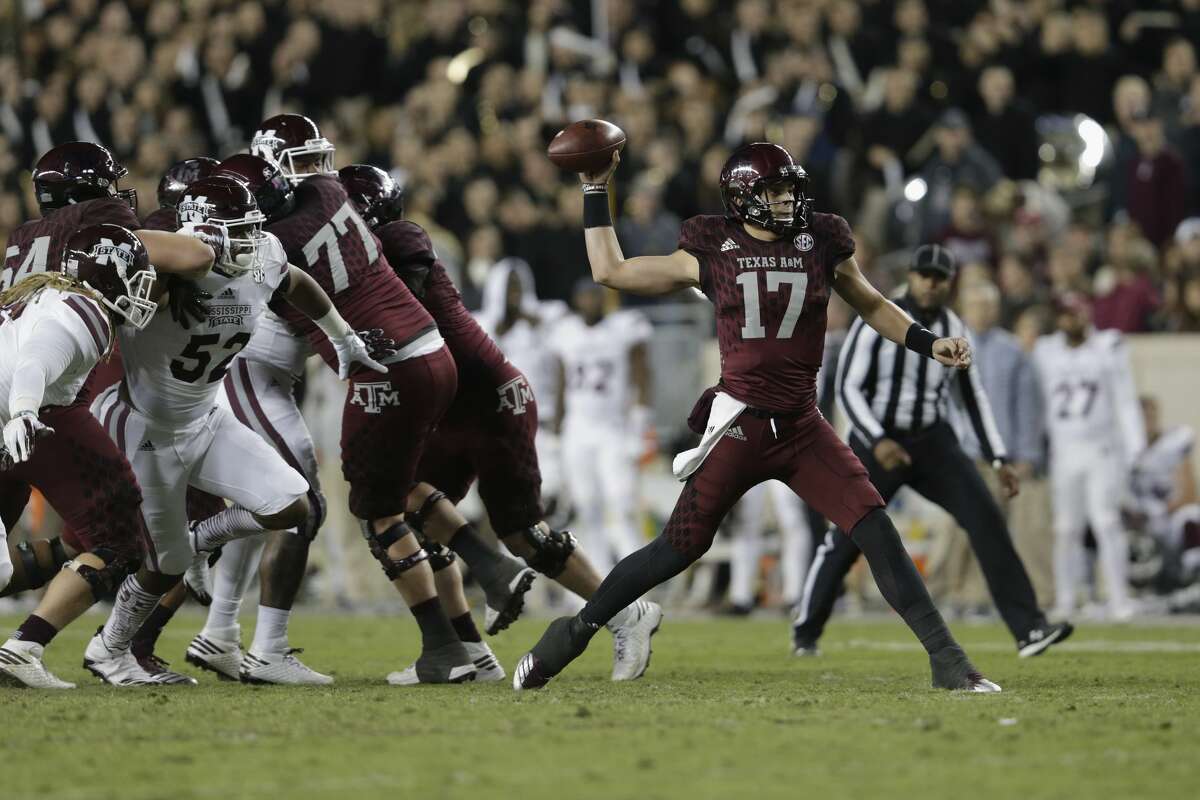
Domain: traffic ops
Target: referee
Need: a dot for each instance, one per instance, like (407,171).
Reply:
(897,405)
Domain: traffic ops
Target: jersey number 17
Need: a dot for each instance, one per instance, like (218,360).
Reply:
(754,328)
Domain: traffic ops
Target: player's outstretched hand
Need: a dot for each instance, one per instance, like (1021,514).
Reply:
(603,176)
(20,432)
(351,349)
(953,352)
(186,301)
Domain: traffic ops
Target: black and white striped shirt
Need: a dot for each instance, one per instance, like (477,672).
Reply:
(880,404)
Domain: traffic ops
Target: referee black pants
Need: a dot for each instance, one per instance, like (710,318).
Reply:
(942,473)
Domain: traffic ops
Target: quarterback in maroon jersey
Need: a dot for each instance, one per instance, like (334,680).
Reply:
(768,265)
(488,432)
(387,419)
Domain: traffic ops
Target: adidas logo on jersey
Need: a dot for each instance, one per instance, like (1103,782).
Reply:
(146,447)
(227,294)
(729,244)
(736,433)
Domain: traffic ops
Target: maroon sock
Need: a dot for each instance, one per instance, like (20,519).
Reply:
(464,626)
(37,630)
(147,636)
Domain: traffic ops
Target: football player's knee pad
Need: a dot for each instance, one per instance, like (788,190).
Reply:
(104,581)
(34,554)
(380,542)
(417,518)
(317,509)
(440,556)
(551,550)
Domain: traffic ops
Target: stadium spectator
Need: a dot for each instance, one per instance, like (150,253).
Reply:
(958,161)
(1157,192)
(1128,299)
(1004,126)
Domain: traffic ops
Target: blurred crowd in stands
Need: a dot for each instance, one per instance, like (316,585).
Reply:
(1049,143)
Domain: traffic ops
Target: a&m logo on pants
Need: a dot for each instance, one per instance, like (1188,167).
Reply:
(515,395)
(374,396)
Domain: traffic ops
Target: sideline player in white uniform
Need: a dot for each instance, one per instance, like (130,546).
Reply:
(795,544)
(521,323)
(1165,494)
(165,418)
(604,408)
(1096,433)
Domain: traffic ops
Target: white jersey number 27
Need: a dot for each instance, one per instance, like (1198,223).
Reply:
(1074,400)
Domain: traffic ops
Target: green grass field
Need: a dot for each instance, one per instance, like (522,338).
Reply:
(724,712)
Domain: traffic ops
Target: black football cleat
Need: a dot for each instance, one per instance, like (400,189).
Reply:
(557,648)
(1038,640)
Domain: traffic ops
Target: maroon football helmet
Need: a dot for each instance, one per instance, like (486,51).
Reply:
(745,178)
(284,138)
(227,203)
(179,175)
(77,171)
(271,190)
(112,262)
(375,194)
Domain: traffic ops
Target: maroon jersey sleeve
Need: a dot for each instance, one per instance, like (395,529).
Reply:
(162,219)
(408,249)
(834,242)
(696,237)
(37,246)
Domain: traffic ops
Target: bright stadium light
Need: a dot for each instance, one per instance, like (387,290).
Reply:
(915,189)
(1094,139)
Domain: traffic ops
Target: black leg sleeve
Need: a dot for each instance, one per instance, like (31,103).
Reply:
(899,582)
(636,574)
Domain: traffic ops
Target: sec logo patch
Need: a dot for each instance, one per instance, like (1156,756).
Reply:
(804,242)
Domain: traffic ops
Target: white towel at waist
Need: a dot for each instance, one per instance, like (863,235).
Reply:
(724,411)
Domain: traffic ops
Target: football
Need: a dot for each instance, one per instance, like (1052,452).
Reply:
(585,146)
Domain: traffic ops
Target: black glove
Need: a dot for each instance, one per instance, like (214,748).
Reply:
(378,345)
(186,301)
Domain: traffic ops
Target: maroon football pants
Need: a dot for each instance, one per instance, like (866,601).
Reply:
(803,452)
(386,423)
(84,478)
(488,435)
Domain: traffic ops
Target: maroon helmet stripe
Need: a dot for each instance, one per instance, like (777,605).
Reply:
(91,319)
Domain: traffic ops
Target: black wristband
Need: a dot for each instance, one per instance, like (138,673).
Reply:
(595,210)
(920,340)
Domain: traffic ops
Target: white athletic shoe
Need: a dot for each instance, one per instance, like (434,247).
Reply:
(21,665)
(280,668)
(631,641)
(216,655)
(487,666)
(115,669)
(449,663)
